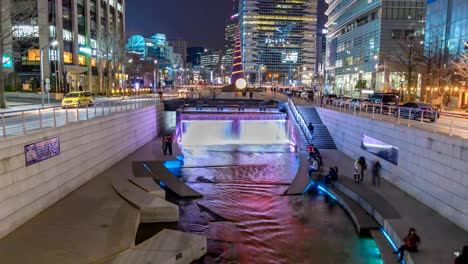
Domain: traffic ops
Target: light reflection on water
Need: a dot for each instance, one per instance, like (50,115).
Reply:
(248,220)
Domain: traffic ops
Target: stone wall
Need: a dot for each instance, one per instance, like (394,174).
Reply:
(88,148)
(432,167)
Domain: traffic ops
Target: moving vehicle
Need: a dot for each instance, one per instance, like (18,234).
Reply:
(77,99)
(417,110)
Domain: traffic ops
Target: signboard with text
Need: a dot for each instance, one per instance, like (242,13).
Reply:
(41,150)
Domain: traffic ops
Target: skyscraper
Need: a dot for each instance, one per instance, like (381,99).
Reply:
(229,43)
(366,42)
(180,47)
(63,37)
(278,39)
(194,55)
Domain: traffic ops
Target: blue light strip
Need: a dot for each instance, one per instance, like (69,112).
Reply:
(389,239)
(329,193)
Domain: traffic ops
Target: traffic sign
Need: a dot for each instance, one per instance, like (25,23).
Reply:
(47,87)
(47,80)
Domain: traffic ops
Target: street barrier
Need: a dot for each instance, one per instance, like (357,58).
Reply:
(15,123)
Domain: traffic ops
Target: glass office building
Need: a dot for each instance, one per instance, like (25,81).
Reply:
(364,40)
(67,33)
(278,39)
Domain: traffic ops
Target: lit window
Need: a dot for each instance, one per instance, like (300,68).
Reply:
(67,57)
(34,55)
(81,60)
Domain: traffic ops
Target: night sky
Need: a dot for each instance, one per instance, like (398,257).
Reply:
(200,22)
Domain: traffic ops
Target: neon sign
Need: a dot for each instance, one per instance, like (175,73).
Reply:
(7,61)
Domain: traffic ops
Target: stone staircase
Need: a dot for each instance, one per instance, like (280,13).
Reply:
(321,138)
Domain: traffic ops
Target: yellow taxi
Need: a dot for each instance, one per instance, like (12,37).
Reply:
(77,99)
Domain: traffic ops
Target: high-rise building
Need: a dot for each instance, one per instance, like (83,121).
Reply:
(153,48)
(445,37)
(229,43)
(210,65)
(366,42)
(180,47)
(194,55)
(64,35)
(278,39)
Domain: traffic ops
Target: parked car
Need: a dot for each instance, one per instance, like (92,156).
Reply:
(416,110)
(359,103)
(341,101)
(77,99)
(383,102)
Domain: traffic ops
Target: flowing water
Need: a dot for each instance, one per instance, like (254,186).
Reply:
(244,213)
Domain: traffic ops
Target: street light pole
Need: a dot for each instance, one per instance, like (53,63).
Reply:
(41,55)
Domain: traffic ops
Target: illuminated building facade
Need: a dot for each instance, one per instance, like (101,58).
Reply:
(155,47)
(210,65)
(180,47)
(67,33)
(365,40)
(278,39)
(229,43)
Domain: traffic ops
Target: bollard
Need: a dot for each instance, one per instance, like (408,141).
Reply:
(3,125)
(24,122)
(40,118)
(55,118)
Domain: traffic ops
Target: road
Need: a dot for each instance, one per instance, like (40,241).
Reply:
(451,125)
(22,122)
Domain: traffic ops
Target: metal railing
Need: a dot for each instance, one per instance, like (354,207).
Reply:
(452,124)
(300,121)
(14,123)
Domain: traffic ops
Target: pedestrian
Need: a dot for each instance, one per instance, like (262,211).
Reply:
(463,257)
(376,168)
(251,94)
(311,128)
(410,243)
(164,145)
(331,176)
(313,167)
(310,149)
(360,167)
(169,140)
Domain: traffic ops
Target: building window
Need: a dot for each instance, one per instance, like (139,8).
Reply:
(67,57)
(81,59)
(34,55)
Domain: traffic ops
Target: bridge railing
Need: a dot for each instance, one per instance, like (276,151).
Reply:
(300,120)
(453,124)
(15,123)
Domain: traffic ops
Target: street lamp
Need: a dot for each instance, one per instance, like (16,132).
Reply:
(155,83)
(53,44)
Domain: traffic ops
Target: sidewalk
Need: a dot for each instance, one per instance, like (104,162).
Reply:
(90,224)
(397,211)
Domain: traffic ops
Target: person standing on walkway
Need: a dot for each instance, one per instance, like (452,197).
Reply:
(360,167)
(310,149)
(164,145)
(410,244)
(463,257)
(376,168)
(313,167)
(169,144)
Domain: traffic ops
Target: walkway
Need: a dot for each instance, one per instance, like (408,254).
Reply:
(440,237)
(91,223)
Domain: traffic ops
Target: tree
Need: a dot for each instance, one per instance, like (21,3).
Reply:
(461,65)
(110,52)
(14,15)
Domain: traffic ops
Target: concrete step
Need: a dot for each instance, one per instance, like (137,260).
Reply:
(150,186)
(166,247)
(153,209)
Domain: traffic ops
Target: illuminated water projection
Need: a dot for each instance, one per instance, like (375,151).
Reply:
(243,211)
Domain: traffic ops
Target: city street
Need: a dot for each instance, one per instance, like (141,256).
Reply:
(446,124)
(23,121)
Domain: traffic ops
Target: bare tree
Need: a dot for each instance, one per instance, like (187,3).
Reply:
(14,16)
(110,52)
(461,65)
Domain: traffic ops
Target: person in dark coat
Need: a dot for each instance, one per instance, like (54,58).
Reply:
(311,128)
(410,243)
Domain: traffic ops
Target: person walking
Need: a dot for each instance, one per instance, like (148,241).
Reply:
(376,168)
(410,243)
(164,145)
(360,167)
(311,128)
(463,257)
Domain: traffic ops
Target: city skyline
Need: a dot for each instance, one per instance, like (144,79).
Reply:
(190,23)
